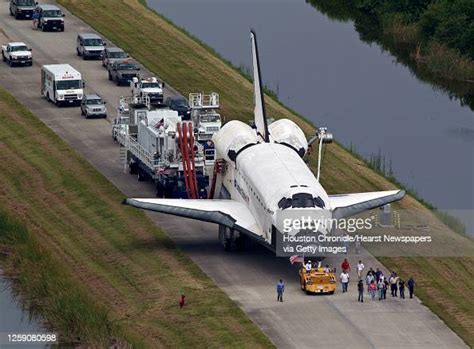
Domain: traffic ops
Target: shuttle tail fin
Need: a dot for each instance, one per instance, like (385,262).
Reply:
(260,118)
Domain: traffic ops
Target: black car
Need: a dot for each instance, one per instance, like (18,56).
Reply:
(181,105)
(22,8)
(50,17)
(122,72)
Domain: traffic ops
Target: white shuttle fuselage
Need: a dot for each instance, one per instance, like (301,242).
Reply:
(263,174)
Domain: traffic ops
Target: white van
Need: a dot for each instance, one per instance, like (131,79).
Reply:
(90,46)
(61,84)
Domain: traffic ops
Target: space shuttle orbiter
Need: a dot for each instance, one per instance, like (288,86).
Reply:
(263,172)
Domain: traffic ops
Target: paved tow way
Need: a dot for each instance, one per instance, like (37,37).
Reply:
(248,278)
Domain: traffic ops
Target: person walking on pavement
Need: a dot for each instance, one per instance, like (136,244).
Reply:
(344,277)
(35,18)
(393,284)
(372,289)
(380,286)
(411,286)
(385,288)
(360,288)
(345,266)
(368,280)
(360,269)
(401,288)
(280,290)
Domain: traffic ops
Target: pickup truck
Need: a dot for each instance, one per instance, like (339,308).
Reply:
(122,72)
(17,53)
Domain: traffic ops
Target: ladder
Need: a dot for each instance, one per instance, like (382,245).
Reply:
(123,156)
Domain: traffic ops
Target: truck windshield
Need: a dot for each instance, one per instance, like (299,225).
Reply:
(25,2)
(126,67)
(68,84)
(117,55)
(210,118)
(52,13)
(93,101)
(92,42)
(180,103)
(19,48)
(150,85)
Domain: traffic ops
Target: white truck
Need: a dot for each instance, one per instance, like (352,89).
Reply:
(61,84)
(205,115)
(148,89)
(17,53)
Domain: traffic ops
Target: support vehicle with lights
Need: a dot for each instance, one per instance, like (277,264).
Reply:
(61,84)
(318,281)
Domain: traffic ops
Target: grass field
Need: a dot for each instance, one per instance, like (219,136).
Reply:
(83,261)
(189,66)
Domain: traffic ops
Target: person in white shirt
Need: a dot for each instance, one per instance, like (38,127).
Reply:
(308,267)
(344,277)
(360,269)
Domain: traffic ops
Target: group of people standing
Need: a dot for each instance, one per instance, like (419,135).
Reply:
(378,284)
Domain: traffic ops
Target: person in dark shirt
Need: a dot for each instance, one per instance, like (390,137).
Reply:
(411,286)
(401,288)
(280,290)
(360,288)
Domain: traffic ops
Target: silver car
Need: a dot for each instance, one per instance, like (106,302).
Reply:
(93,106)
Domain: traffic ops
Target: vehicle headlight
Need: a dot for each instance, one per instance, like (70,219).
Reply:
(79,96)
(60,96)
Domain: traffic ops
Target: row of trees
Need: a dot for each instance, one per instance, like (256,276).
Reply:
(447,21)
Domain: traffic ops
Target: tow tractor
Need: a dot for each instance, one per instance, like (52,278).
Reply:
(319,281)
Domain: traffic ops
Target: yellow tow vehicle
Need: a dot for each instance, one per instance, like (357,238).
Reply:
(318,280)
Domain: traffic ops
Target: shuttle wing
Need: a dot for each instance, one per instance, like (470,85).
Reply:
(345,205)
(230,213)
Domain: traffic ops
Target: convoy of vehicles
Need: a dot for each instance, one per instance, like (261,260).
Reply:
(93,106)
(168,143)
(90,46)
(149,89)
(22,8)
(50,17)
(122,72)
(17,53)
(113,54)
(61,84)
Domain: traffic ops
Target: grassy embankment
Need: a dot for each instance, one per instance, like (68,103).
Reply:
(93,268)
(189,66)
(439,33)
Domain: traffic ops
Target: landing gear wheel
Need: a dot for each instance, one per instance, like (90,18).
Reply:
(160,191)
(132,168)
(140,175)
(227,238)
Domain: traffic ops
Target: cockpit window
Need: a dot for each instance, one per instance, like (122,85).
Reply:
(301,200)
(284,203)
(318,202)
